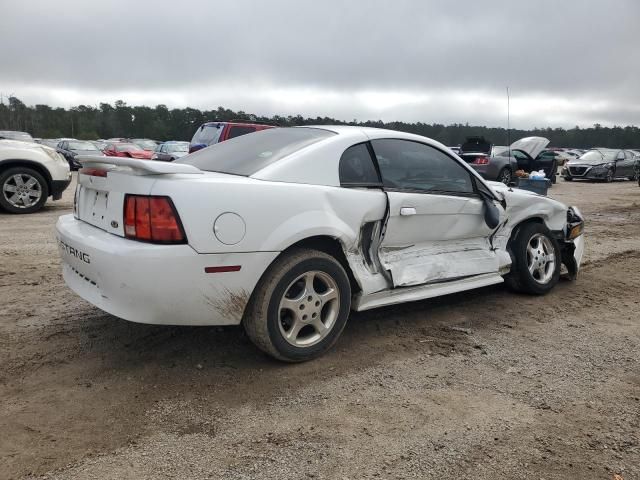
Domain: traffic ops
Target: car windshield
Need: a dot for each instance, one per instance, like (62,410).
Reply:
(599,156)
(178,147)
(82,146)
(127,147)
(247,154)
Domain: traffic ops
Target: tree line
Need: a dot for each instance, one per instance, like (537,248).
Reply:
(161,123)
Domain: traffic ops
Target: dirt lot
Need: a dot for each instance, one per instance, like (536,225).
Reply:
(480,385)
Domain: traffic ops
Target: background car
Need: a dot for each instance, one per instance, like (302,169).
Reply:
(286,230)
(15,135)
(527,152)
(604,164)
(560,156)
(100,144)
(145,143)
(49,142)
(124,149)
(70,149)
(170,151)
(492,163)
(29,174)
(210,133)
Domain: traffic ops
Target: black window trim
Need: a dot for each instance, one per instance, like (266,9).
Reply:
(474,179)
(372,156)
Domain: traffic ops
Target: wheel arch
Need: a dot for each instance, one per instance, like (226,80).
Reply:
(329,245)
(6,164)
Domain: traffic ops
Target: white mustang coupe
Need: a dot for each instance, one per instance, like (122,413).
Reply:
(288,229)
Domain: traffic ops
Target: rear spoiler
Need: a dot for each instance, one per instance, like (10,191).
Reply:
(140,167)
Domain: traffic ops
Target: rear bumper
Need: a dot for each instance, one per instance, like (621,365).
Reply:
(156,284)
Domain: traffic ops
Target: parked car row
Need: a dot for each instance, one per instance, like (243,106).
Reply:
(531,154)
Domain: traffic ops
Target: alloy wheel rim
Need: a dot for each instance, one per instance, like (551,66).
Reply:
(309,309)
(541,258)
(505,177)
(22,190)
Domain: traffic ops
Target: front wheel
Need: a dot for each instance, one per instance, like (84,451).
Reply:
(22,190)
(609,177)
(568,179)
(536,260)
(300,306)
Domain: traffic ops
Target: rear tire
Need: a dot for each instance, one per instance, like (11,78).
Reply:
(536,260)
(22,190)
(505,176)
(300,306)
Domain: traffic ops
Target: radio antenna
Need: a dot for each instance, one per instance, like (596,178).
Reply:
(508,122)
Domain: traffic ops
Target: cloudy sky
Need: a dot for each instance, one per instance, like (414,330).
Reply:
(569,62)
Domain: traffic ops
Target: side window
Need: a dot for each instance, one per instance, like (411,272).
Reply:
(237,130)
(357,168)
(415,166)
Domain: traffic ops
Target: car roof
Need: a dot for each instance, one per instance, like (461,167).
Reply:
(317,163)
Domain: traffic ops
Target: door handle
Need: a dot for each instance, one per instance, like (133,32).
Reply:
(406,211)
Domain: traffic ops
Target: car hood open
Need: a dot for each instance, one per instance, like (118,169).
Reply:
(531,145)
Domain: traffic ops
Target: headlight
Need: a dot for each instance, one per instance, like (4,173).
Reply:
(154,157)
(55,156)
(575,223)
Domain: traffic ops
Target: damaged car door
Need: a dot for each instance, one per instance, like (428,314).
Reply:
(436,229)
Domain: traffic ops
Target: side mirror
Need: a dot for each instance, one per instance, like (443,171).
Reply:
(491,213)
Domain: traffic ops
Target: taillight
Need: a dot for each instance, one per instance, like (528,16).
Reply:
(93,172)
(152,219)
(481,161)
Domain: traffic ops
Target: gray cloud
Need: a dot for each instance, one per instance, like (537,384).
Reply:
(567,63)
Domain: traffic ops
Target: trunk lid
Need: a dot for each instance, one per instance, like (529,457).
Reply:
(476,145)
(99,200)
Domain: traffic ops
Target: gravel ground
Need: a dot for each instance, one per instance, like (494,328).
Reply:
(480,385)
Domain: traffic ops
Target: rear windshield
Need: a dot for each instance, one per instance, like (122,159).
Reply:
(207,134)
(248,154)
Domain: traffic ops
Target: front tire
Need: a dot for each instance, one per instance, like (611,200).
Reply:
(300,306)
(536,260)
(22,190)
(609,177)
(568,179)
